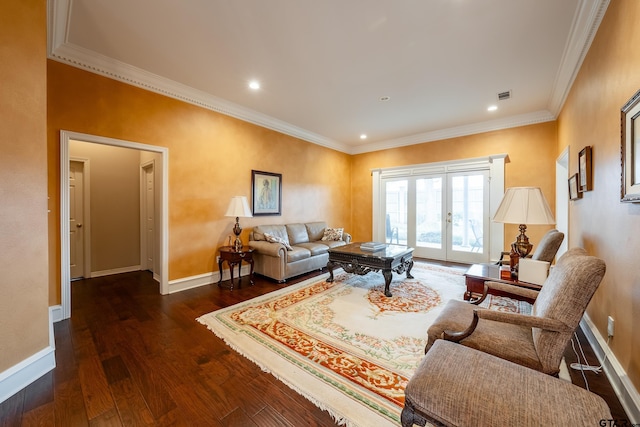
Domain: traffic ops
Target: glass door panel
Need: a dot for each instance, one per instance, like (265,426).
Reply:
(396,209)
(430,228)
(468,217)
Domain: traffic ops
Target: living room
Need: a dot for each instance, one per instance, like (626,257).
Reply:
(211,156)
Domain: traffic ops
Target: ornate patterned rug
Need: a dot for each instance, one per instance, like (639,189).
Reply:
(344,345)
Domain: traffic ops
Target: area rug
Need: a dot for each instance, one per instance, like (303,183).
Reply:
(344,345)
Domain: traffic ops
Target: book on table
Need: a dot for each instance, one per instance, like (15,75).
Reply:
(372,246)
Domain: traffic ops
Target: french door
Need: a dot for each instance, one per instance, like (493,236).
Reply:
(444,216)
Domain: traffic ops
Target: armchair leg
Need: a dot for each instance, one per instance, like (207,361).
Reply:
(409,417)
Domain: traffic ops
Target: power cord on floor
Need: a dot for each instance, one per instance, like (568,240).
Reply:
(582,367)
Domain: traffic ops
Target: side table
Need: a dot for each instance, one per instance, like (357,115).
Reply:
(477,274)
(233,258)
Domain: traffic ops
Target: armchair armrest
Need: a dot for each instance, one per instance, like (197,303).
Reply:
(524,320)
(505,287)
(513,318)
(268,248)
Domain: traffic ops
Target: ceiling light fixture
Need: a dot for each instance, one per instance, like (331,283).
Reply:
(363,136)
(492,108)
(255,85)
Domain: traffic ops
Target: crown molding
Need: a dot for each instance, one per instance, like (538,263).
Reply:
(586,22)
(583,30)
(471,129)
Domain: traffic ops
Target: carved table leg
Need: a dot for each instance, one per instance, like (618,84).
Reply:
(409,276)
(388,274)
(330,266)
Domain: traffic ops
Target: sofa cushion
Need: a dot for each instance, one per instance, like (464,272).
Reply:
(297,233)
(275,230)
(333,243)
(315,230)
(298,253)
(315,248)
(273,239)
(333,234)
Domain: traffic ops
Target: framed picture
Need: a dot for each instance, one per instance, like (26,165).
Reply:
(266,190)
(630,150)
(574,194)
(584,170)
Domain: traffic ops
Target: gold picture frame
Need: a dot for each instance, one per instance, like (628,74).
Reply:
(630,150)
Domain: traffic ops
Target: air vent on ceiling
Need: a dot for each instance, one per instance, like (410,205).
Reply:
(503,96)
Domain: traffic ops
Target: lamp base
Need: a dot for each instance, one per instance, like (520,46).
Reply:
(237,244)
(522,245)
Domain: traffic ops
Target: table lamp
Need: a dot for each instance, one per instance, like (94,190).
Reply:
(523,205)
(238,207)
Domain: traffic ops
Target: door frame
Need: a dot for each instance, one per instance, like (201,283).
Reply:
(562,199)
(496,165)
(86,217)
(65,274)
(144,248)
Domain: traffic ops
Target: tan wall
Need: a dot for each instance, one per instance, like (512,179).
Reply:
(532,155)
(609,76)
(23,193)
(114,213)
(210,160)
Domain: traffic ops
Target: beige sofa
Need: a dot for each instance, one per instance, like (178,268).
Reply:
(302,248)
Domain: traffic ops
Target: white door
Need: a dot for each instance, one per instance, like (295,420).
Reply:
(443,216)
(76,218)
(148,217)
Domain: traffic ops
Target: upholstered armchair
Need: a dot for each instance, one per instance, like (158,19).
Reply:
(538,340)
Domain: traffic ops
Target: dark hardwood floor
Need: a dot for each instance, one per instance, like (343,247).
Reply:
(129,356)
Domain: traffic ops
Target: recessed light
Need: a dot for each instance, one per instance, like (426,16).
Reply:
(363,136)
(255,85)
(492,108)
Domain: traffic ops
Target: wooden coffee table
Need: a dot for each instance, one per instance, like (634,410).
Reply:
(477,274)
(354,260)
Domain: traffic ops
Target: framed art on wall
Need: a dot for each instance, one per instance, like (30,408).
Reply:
(630,150)
(584,170)
(266,191)
(574,194)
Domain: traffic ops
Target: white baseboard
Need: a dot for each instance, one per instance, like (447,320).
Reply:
(115,271)
(30,369)
(203,279)
(622,386)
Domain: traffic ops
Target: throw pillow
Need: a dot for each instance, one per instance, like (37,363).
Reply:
(273,239)
(333,234)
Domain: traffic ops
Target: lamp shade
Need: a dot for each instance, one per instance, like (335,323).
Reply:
(524,205)
(238,207)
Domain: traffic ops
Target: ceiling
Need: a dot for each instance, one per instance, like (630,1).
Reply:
(326,66)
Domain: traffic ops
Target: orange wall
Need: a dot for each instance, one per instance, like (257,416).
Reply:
(210,160)
(24,312)
(532,155)
(609,76)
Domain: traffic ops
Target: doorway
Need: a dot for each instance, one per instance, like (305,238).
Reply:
(161,221)
(79,227)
